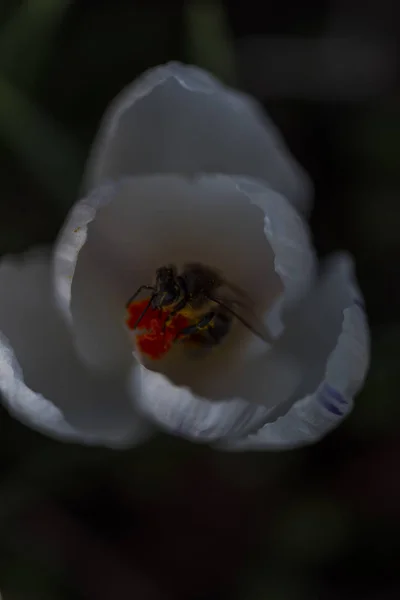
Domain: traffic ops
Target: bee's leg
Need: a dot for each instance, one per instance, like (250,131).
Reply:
(204,323)
(144,311)
(181,304)
(142,287)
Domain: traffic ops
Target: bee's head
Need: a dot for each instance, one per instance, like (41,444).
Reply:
(167,288)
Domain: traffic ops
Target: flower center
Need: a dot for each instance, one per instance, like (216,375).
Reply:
(183,306)
(160,330)
(196,306)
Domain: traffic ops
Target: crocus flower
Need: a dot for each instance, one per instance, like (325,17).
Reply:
(183,170)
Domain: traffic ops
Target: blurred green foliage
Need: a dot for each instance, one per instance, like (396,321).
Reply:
(208,38)
(27,39)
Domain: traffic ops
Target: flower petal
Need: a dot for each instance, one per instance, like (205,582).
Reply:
(100,337)
(180,119)
(41,381)
(288,235)
(250,390)
(179,411)
(140,223)
(329,338)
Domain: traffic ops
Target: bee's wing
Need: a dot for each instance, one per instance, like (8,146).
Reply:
(240,306)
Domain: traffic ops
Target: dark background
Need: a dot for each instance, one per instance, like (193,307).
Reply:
(173,519)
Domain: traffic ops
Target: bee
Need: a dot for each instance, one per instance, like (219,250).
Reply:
(203,295)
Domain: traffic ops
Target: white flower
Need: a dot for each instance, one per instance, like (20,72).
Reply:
(183,170)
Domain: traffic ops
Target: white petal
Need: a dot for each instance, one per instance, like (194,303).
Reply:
(180,119)
(288,235)
(72,238)
(41,381)
(331,342)
(256,387)
(143,222)
(179,411)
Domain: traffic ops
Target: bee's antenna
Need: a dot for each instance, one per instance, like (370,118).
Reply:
(144,311)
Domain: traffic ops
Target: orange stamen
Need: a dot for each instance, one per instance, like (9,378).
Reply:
(159,335)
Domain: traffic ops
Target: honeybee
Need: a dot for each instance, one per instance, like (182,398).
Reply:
(205,297)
